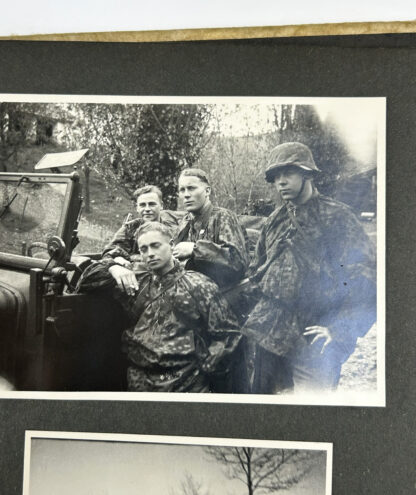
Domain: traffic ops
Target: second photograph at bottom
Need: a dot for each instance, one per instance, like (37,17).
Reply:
(105,463)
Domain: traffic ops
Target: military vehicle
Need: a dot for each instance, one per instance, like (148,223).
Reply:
(51,338)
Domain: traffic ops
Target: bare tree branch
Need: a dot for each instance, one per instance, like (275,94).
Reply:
(264,470)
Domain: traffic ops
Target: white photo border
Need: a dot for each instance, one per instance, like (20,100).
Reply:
(173,440)
(343,398)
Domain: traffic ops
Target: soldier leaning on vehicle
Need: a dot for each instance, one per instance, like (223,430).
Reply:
(183,335)
(315,267)
(208,240)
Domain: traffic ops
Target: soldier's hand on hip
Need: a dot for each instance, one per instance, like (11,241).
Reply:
(125,279)
(209,365)
(319,333)
(183,250)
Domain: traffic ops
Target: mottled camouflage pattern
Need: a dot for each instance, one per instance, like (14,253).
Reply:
(220,244)
(124,241)
(325,276)
(182,338)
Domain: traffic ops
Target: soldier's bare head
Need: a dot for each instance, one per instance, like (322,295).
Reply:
(149,203)
(194,189)
(155,245)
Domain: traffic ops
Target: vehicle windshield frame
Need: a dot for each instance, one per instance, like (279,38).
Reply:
(65,226)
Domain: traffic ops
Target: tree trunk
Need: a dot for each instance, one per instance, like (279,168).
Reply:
(249,478)
(87,188)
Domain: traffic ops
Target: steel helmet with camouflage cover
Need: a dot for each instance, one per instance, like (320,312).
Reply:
(290,154)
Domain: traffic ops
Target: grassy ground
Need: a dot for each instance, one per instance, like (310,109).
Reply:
(359,373)
(108,209)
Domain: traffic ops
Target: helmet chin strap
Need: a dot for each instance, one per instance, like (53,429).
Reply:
(304,179)
(302,187)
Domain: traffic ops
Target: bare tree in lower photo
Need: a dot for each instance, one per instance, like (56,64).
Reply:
(189,485)
(265,470)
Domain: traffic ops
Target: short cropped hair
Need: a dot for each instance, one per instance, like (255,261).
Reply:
(154,227)
(148,189)
(195,172)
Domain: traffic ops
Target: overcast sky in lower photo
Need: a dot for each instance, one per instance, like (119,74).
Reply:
(85,467)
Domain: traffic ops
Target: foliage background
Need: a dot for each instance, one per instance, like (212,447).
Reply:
(131,145)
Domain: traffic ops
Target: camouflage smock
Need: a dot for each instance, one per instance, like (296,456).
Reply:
(220,244)
(322,273)
(182,331)
(124,242)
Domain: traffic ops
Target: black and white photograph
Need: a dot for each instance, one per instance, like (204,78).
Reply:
(105,463)
(225,249)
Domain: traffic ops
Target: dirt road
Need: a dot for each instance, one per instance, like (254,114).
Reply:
(360,371)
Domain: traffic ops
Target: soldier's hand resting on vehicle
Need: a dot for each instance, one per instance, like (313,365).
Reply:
(122,261)
(125,279)
(319,333)
(183,250)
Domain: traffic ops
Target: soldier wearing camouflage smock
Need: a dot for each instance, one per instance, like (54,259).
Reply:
(149,205)
(209,239)
(183,334)
(315,267)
